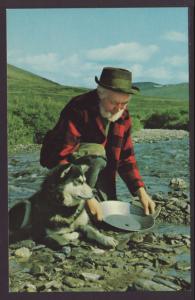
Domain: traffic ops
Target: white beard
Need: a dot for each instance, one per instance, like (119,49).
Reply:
(108,115)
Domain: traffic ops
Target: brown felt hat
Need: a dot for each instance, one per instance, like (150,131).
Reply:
(116,79)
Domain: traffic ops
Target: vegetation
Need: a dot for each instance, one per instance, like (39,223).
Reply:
(34,104)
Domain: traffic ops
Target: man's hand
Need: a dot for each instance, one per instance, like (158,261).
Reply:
(147,202)
(95,209)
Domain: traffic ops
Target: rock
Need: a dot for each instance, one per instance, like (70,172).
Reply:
(149,238)
(178,183)
(136,237)
(147,273)
(167,283)
(31,288)
(188,209)
(158,197)
(128,253)
(183,265)
(88,265)
(59,256)
(187,242)
(37,269)
(167,260)
(66,250)
(38,247)
(90,276)
(23,252)
(25,243)
(54,284)
(148,285)
(181,204)
(73,282)
(97,250)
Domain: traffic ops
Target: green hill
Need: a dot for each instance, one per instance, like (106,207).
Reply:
(34,105)
(21,82)
(174,91)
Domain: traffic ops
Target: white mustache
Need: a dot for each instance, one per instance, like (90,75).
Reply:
(108,115)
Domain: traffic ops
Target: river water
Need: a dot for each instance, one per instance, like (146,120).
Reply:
(158,163)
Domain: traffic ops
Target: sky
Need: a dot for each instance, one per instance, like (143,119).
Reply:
(71,46)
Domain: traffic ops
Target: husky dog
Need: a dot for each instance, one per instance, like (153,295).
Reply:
(59,208)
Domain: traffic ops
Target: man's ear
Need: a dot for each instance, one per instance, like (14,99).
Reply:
(66,170)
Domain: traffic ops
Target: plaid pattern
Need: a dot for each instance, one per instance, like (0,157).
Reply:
(80,122)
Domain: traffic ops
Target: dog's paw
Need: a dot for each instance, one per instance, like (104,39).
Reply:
(109,241)
(72,236)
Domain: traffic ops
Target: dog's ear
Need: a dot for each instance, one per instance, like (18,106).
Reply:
(84,168)
(65,170)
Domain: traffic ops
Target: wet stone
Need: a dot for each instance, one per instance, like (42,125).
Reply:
(167,260)
(25,243)
(90,276)
(183,265)
(23,253)
(178,183)
(148,285)
(158,197)
(73,282)
(66,250)
(38,247)
(37,269)
(136,237)
(167,283)
(30,288)
(52,285)
(59,256)
(149,238)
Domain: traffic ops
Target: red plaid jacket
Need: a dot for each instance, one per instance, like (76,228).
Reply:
(80,122)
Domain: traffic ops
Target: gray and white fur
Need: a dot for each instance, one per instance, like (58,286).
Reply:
(65,190)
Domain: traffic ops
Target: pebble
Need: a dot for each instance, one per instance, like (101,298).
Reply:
(73,282)
(66,250)
(178,183)
(52,284)
(90,276)
(31,288)
(60,256)
(23,252)
(183,265)
(37,269)
(145,285)
(25,243)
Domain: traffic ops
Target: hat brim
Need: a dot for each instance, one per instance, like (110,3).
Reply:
(133,90)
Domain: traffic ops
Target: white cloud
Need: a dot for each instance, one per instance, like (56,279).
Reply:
(123,52)
(175,36)
(158,73)
(176,60)
(79,69)
(183,77)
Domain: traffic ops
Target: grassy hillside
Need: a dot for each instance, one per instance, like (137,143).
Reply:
(171,91)
(34,104)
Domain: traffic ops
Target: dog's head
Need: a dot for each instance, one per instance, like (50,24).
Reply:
(67,183)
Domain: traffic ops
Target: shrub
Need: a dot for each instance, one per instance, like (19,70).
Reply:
(171,119)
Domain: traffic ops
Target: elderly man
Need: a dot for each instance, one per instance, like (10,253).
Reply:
(100,118)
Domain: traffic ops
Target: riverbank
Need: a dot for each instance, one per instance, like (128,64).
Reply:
(153,260)
(143,135)
(154,135)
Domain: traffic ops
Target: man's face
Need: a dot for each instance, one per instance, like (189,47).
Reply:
(114,105)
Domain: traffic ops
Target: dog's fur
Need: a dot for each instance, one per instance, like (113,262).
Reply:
(60,210)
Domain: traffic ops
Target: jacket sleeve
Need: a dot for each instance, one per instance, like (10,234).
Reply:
(62,140)
(128,169)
